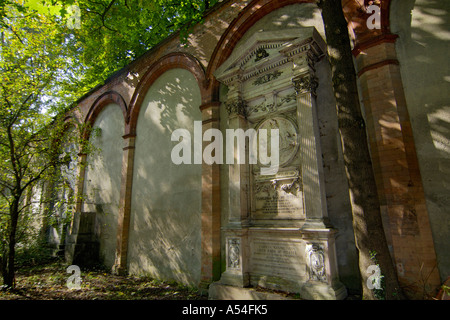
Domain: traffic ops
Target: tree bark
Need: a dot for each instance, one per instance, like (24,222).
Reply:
(9,271)
(370,238)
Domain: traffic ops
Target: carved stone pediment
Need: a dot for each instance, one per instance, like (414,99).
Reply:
(266,51)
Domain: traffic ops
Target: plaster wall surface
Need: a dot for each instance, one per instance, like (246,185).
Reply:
(103,178)
(165,226)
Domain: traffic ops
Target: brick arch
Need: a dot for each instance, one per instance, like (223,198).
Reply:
(100,103)
(71,120)
(251,14)
(356,16)
(354,12)
(170,61)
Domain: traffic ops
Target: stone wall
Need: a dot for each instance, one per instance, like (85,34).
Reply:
(167,220)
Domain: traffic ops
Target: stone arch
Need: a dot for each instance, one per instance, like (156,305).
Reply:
(172,203)
(100,182)
(354,11)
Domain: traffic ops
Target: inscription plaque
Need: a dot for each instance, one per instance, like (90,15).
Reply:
(277,203)
(279,197)
(278,258)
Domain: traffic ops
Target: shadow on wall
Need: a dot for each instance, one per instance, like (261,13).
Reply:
(423,46)
(165,226)
(338,205)
(103,178)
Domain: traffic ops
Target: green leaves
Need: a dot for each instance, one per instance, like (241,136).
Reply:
(115,32)
(111,34)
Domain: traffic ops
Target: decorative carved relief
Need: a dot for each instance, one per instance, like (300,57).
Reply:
(305,84)
(260,54)
(236,107)
(292,187)
(288,144)
(262,107)
(288,98)
(316,262)
(265,107)
(234,253)
(267,77)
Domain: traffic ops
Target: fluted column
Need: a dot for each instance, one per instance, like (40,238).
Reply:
(305,84)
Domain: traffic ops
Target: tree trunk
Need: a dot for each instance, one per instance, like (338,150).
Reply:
(9,270)
(367,223)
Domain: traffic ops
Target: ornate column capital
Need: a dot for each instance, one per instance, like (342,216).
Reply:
(236,108)
(306,83)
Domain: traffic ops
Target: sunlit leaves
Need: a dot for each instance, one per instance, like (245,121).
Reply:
(115,32)
(111,34)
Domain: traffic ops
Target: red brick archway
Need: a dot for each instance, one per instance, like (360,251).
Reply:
(100,103)
(170,61)
(354,11)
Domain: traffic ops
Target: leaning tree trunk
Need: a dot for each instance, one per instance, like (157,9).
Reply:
(367,224)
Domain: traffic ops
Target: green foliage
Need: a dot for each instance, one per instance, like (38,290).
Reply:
(38,253)
(111,34)
(114,33)
(34,139)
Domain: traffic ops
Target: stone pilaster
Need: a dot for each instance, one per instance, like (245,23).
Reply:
(236,229)
(305,84)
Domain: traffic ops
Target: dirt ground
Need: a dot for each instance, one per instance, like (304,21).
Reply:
(50,282)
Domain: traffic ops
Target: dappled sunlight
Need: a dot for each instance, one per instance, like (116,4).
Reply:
(440,121)
(423,45)
(166,197)
(430,20)
(103,179)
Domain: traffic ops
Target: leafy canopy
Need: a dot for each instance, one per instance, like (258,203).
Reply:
(102,36)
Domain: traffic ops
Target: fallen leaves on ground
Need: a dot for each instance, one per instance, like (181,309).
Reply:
(49,282)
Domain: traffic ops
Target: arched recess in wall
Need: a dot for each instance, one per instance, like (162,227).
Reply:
(252,13)
(60,190)
(354,12)
(100,103)
(69,171)
(290,16)
(170,61)
(165,218)
(101,190)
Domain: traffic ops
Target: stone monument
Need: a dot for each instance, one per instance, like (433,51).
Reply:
(277,235)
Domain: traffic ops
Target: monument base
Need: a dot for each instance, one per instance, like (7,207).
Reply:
(219,291)
(310,291)
(235,279)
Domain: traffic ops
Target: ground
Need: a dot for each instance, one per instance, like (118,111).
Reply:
(49,282)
